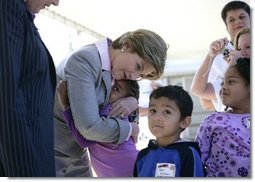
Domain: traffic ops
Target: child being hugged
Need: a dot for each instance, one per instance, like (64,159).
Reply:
(107,159)
(170,110)
(224,137)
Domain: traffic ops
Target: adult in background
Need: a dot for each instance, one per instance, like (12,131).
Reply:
(90,73)
(28,81)
(206,83)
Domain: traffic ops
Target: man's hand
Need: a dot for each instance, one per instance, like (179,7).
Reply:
(217,46)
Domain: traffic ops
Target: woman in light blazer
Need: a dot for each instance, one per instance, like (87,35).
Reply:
(90,73)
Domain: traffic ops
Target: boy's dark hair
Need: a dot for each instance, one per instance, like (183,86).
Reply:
(177,94)
(243,67)
(133,88)
(234,5)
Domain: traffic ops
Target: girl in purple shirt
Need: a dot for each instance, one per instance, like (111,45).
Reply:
(108,160)
(224,137)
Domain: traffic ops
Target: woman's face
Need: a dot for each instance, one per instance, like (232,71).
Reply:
(237,20)
(129,66)
(36,5)
(244,45)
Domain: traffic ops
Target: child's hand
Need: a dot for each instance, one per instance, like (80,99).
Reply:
(62,94)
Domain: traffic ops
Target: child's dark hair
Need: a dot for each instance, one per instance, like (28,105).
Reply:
(234,5)
(133,88)
(243,67)
(177,94)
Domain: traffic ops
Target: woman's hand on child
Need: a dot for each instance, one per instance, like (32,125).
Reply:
(123,107)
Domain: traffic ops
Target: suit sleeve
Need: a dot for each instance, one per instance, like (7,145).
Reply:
(82,74)
(83,142)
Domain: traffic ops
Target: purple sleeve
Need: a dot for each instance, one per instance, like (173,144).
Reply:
(204,137)
(67,114)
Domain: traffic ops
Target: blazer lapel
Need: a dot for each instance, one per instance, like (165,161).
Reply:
(108,84)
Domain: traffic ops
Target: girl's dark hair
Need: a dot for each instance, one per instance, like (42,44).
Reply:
(177,94)
(133,88)
(243,68)
(234,5)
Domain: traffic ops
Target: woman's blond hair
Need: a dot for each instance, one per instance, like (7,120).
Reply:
(149,46)
(239,34)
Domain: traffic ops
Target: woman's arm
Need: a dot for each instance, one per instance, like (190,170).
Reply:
(67,114)
(86,91)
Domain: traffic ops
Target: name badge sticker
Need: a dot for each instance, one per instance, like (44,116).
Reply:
(165,170)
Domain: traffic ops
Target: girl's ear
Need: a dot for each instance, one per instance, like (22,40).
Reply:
(185,122)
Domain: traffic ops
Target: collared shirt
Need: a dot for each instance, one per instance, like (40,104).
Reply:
(103,49)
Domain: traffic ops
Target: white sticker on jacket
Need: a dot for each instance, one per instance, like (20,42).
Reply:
(165,170)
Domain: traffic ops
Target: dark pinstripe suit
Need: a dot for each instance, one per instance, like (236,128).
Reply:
(27,87)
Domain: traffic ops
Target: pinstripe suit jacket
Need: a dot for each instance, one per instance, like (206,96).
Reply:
(88,89)
(27,87)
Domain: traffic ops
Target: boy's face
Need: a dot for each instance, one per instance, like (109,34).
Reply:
(237,20)
(164,120)
(119,90)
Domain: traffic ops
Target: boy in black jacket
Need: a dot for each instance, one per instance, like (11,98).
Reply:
(170,110)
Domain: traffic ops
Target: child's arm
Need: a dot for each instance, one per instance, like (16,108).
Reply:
(62,94)
(67,114)
(131,118)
